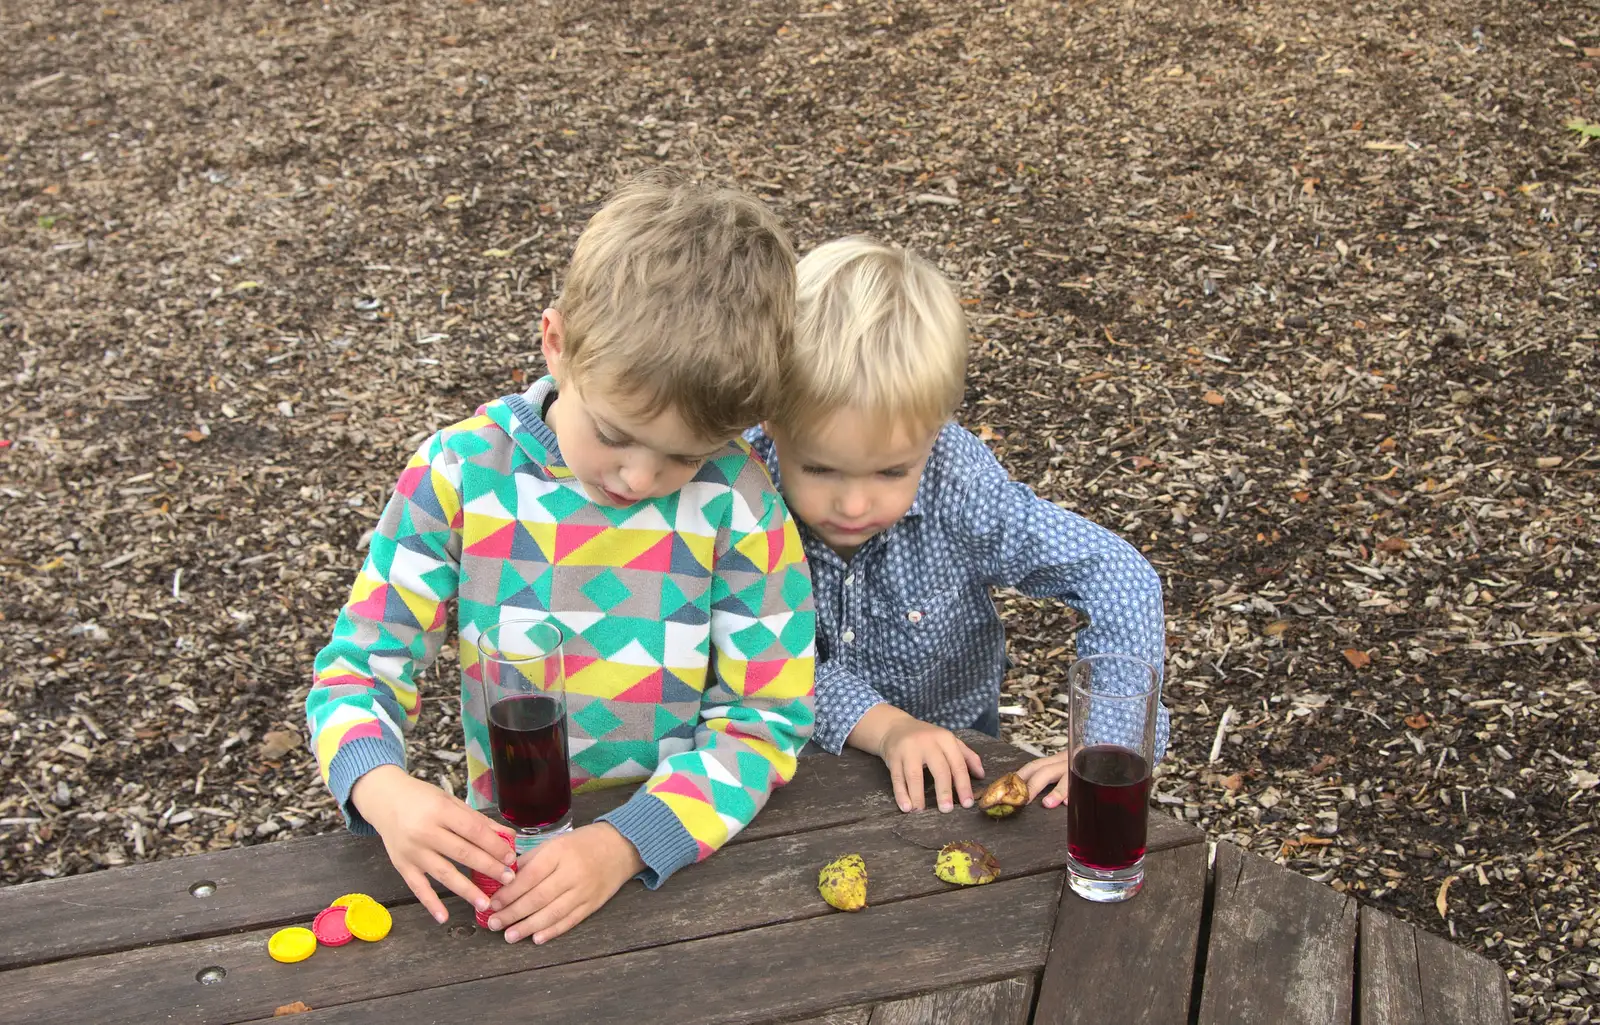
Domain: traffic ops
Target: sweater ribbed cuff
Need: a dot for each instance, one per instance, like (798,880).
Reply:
(663,843)
(350,763)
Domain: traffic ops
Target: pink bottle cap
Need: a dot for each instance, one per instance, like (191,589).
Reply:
(330,928)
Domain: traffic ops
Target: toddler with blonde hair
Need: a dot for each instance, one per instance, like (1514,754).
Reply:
(909,522)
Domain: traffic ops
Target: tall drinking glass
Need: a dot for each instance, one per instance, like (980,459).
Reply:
(525,699)
(1114,702)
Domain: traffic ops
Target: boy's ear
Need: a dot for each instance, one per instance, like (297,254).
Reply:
(552,339)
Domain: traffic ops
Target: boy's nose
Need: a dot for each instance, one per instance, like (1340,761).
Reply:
(638,478)
(853,504)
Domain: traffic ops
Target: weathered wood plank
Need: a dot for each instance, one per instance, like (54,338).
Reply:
(152,902)
(773,974)
(843,1016)
(1007,1002)
(1130,963)
(274,884)
(1412,977)
(759,883)
(1282,948)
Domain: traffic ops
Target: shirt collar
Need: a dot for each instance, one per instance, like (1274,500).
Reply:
(920,499)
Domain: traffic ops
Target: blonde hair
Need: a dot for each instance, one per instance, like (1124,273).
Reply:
(878,329)
(681,296)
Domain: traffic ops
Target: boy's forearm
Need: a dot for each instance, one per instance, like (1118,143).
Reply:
(367,793)
(872,727)
(353,760)
(843,698)
(626,854)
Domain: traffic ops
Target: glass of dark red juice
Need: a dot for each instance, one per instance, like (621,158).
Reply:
(525,701)
(1114,699)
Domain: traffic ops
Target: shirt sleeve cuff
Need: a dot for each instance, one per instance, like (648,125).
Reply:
(350,763)
(842,699)
(664,845)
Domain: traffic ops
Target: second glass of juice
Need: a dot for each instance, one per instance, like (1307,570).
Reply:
(1114,704)
(526,712)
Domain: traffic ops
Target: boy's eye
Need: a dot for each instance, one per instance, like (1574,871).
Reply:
(690,461)
(609,441)
(815,471)
(898,473)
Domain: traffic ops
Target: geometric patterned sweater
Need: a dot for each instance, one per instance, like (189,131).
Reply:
(690,629)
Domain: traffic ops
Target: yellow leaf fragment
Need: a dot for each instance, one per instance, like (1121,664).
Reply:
(1442,901)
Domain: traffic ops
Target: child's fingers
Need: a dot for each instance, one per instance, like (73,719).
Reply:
(548,883)
(974,763)
(531,903)
(1040,781)
(538,868)
(939,766)
(555,911)
(960,780)
(578,914)
(1051,765)
(438,866)
(423,891)
(1053,771)
(1059,794)
(463,849)
(916,785)
(475,828)
(897,776)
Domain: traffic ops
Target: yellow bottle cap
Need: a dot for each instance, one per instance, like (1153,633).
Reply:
(293,944)
(350,900)
(368,920)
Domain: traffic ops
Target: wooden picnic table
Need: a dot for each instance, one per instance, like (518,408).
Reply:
(745,937)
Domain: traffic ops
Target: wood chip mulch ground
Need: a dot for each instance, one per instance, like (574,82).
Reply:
(1300,297)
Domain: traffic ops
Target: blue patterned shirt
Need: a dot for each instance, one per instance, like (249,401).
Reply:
(909,620)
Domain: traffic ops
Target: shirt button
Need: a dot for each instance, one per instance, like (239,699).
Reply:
(849,579)
(914,615)
(848,636)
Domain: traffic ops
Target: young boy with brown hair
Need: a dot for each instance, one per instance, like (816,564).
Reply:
(909,521)
(615,497)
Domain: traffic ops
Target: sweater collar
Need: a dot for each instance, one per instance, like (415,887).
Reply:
(522,417)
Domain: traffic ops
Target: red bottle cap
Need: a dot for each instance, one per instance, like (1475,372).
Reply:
(330,927)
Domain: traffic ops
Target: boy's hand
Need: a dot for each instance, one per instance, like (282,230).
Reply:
(424,829)
(907,746)
(563,881)
(1041,772)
